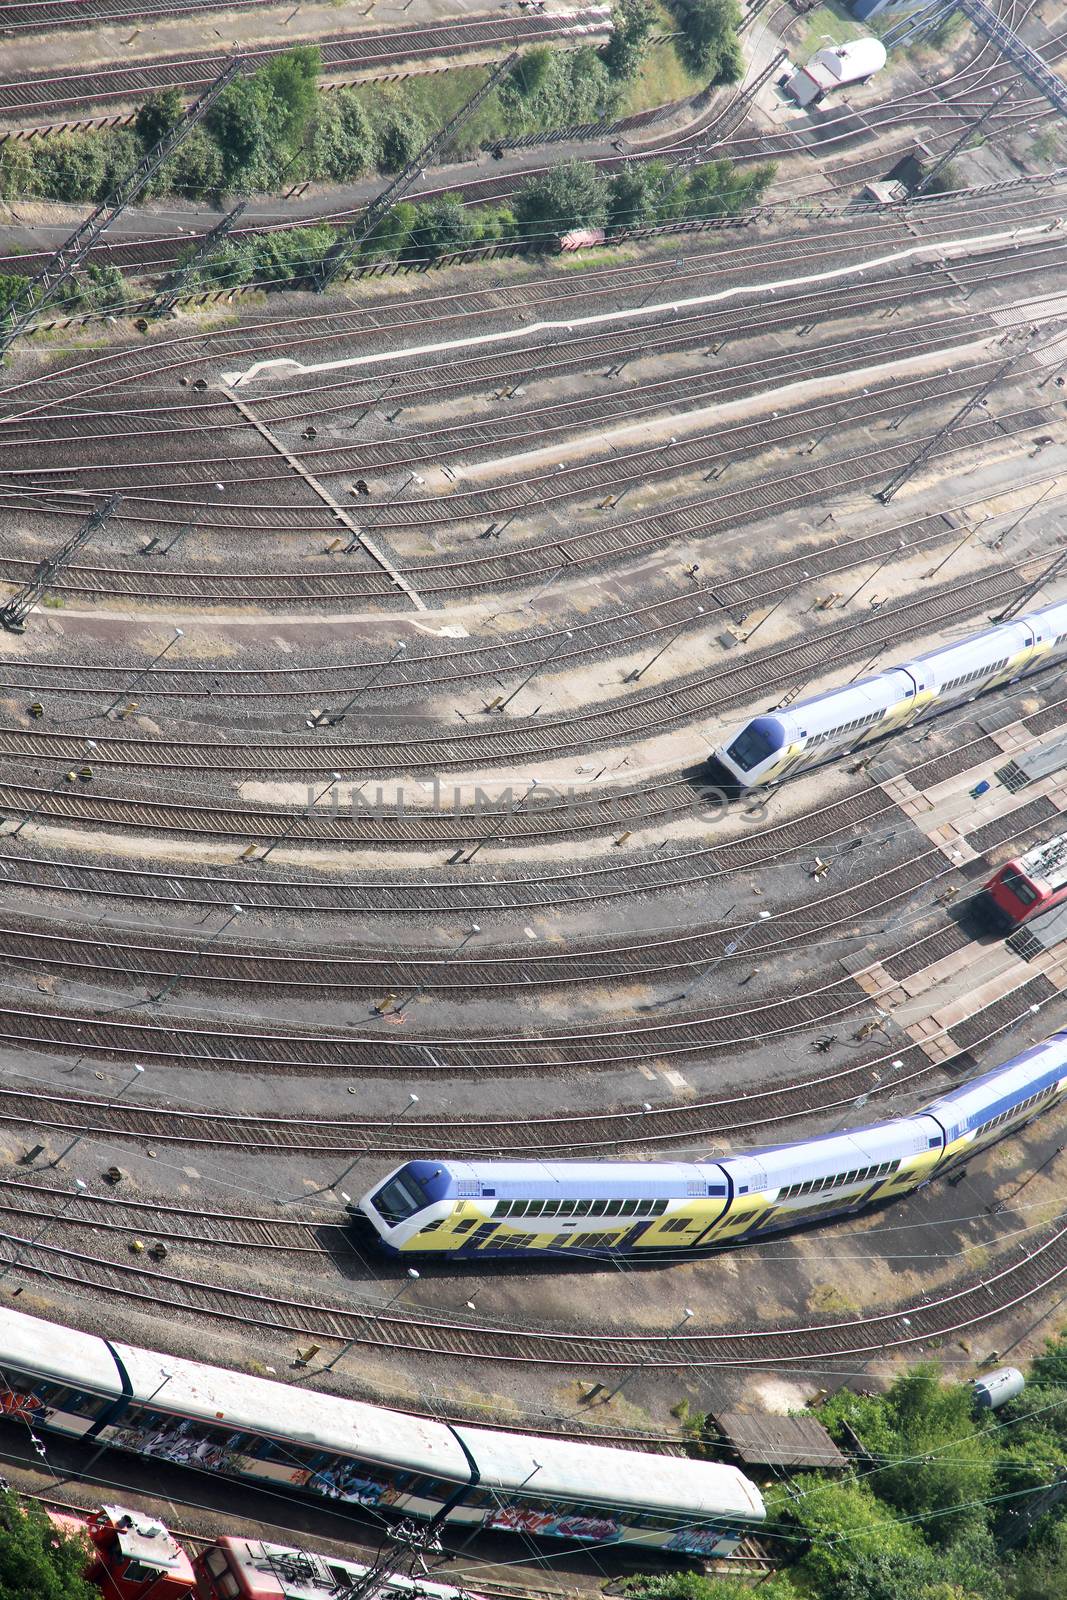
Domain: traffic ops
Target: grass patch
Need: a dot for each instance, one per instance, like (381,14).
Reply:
(661,78)
(830,19)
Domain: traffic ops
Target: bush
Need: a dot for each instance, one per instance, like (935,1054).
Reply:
(16,169)
(342,143)
(553,89)
(399,134)
(37,1562)
(11,286)
(69,166)
(709,38)
(631,23)
(571,195)
(159,114)
(439,226)
(721,189)
(196,169)
(391,234)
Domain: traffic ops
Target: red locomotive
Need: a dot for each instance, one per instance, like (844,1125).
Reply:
(1033,883)
(134,1557)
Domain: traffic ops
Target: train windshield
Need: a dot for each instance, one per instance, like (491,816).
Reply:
(1020,887)
(399,1199)
(751,746)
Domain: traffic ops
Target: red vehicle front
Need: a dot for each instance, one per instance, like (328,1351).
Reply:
(1013,895)
(136,1558)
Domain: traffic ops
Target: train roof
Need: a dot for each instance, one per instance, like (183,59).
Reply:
(546,1180)
(230,1399)
(507,1462)
(1047,861)
(851,701)
(974,1102)
(593,1474)
(782,1164)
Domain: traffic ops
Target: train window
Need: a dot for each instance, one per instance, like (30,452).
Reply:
(1020,887)
(502,1208)
(466,1225)
(629,1208)
(598,1208)
(429,1227)
(750,747)
(582,1208)
(399,1199)
(659,1207)
(533,1208)
(216,1562)
(550,1208)
(716,1189)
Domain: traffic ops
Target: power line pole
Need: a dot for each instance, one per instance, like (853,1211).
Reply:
(351,241)
(41,290)
(14,613)
(901,476)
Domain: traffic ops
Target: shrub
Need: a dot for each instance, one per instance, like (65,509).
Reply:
(709,38)
(440,226)
(69,167)
(571,195)
(160,113)
(631,23)
(342,143)
(399,133)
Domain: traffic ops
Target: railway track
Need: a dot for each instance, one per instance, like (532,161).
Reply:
(364,52)
(832,238)
(699,698)
(76,447)
(42,14)
(974,1299)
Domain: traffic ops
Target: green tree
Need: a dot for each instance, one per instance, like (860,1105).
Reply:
(843,1524)
(709,37)
(289,84)
(160,113)
(69,166)
(439,227)
(631,23)
(570,195)
(342,144)
(37,1562)
(634,193)
(936,1456)
(399,132)
(239,122)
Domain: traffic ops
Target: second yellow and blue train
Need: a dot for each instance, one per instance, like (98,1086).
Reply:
(669,1210)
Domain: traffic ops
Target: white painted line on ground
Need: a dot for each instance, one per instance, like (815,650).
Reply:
(857,269)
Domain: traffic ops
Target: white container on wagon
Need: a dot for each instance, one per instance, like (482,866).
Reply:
(833,68)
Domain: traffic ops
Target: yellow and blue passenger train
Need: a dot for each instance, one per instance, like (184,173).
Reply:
(785,742)
(666,1210)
